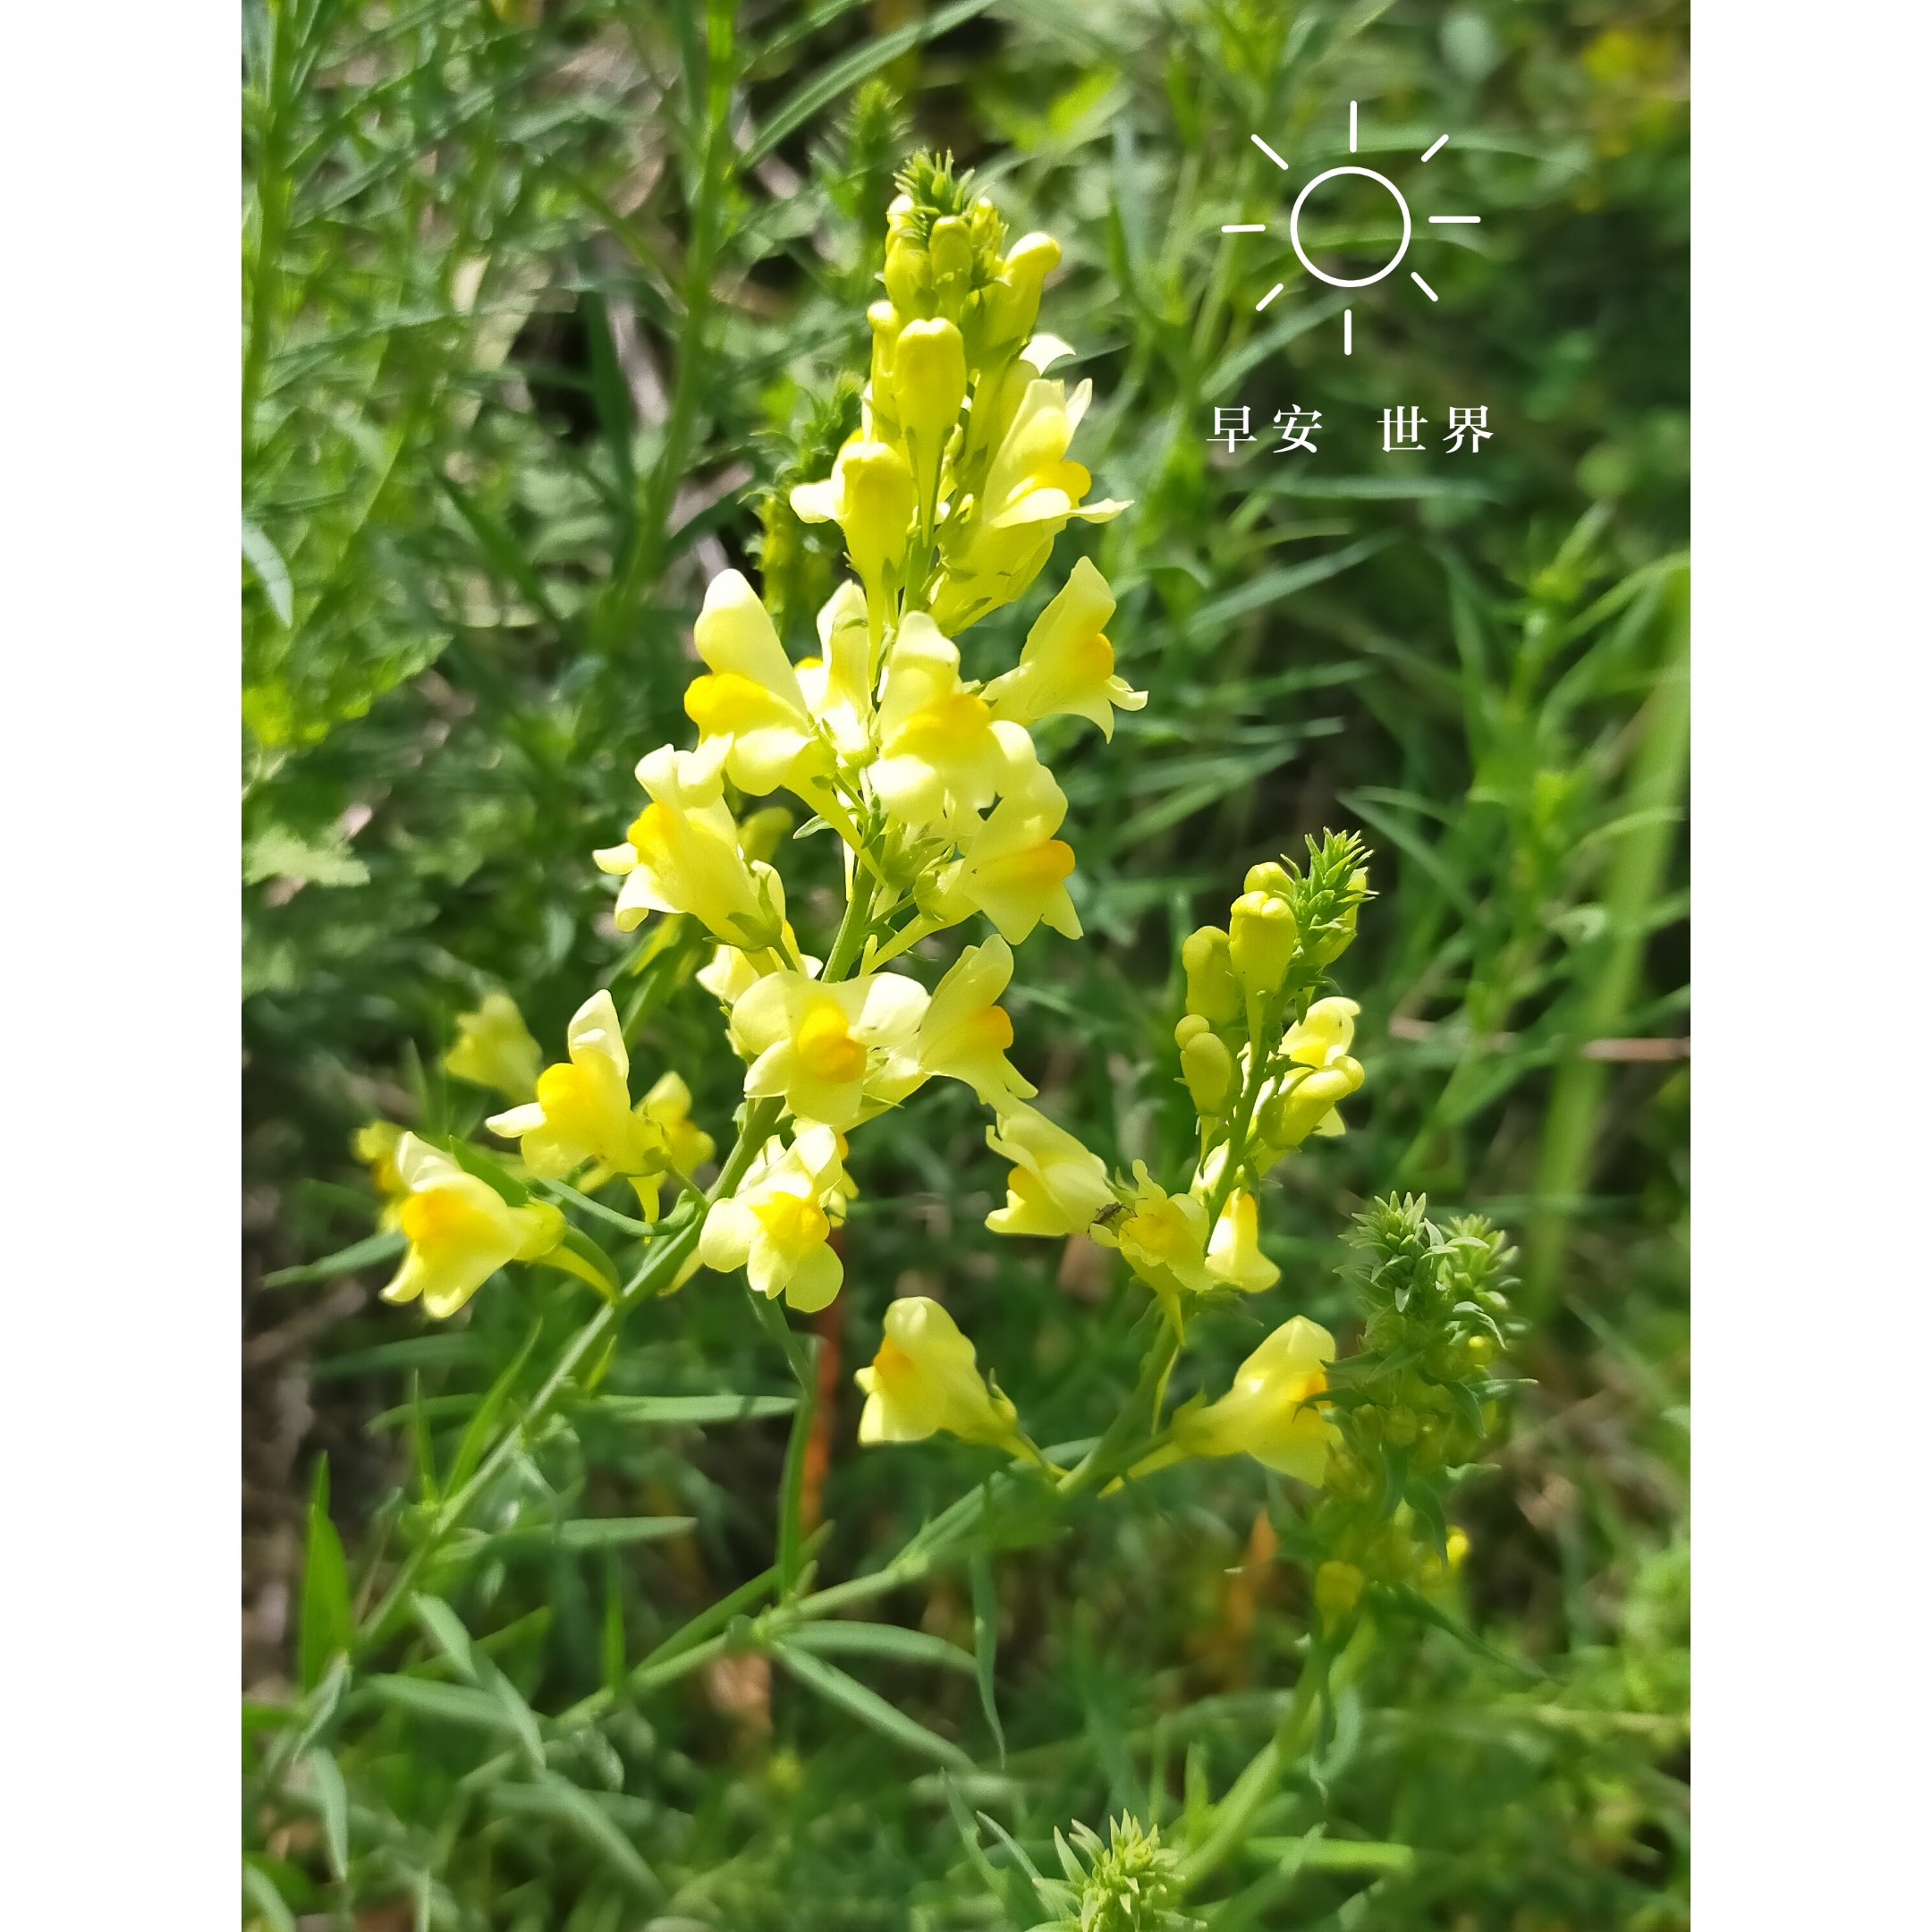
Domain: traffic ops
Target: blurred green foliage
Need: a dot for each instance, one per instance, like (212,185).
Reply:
(543,303)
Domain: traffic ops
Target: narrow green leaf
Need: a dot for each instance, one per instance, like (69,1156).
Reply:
(1271,585)
(874,52)
(270,571)
(577,1254)
(867,1707)
(445,1631)
(613,1625)
(418,1351)
(985,1640)
(443,1703)
(332,1800)
(558,1799)
(589,1533)
(501,548)
(422,1442)
(692,1408)
(471,1449)
(327,1622)
(1411,1603)
(259,1889)
(364,1253)
(840,1637)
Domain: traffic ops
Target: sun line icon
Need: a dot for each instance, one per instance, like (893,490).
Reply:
(1347,282)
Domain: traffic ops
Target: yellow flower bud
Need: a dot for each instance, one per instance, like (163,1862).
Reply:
(929,381)
(871,496)
(1269,878)
(1261,940)
(925,1378)
(494,1049)
(1338,1588)
(1212,989)
(1208,1068)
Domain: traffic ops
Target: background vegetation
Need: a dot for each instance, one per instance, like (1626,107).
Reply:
(542,300)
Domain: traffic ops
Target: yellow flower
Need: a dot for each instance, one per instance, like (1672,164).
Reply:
(1067,664)
(1056,1186)
(375,1144)
(838,686)
(1234,1250)
(1213,992)
(965,1034)
(993,552)
(494,1048)
(682,855)
(925,1378)
(1298,1103)
(871,496)
(831,1050)
(1268,1413)
(1261,940)
(752,698)
(461,1230)
(777,1226)
(1161,1236)
(940,754)
(1324,1038)
(1011,867)
(582,1110)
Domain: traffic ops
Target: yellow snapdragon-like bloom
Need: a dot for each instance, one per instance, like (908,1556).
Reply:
(1162,1237)
(687,1147)
(460,1230)
(682,855)
(494,1049)
(582,1109)
(1298,1103)
(941,756)
(1234,1248)
(1067,664)
(1056,1185)
(872,497)
(995,550)
(1268,1413)
(965,1034)
(928,383)
(925,1378)
(1011,867)
(830,1050)
(751,697)
(777,1225)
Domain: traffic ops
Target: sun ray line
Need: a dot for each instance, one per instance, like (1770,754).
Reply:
(1243,227)
(1424,286)
(1352,127)
(1441,139)
(1446,220)
(1269,297)
(1348,332)
(1269,152)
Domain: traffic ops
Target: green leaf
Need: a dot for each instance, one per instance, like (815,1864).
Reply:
(867,1707)
(590,1533)
(694,1409)
(577,1254)
(332,1800)
(418,1351)
(259,1889)
(557,1799)
(444,1628)
(840,1637)
(270,571)
(327,1622)
(471,1449)
(443,1703)
(371,1249)
(1271,585)
(278,853)
(1403,1601)
(423,1443)
(874,52)
(986,1639)
(791,1486)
